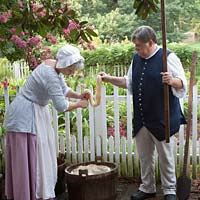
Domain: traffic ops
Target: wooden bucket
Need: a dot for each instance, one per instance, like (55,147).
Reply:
(92,187)
(60,184)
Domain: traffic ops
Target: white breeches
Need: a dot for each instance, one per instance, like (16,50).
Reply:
(146,144)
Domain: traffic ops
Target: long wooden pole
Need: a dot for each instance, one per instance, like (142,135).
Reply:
(166,88)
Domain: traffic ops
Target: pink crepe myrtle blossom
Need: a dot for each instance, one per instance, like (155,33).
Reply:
(22,34)
(5,83)
(35,7)
(27,41)
(20,4)
(69,8)
(38,48)
(123,124)
(37,54)
(122,128)
(7,14)
(91,46)
(34,40)
(18,41)
(33,61)
(122,132)
(12,30)
(86,45)
(111,131)
(52,39)
(46,54)
(14,38)
(27,34)
(66,32)
(29,50)
(91,27)
(73,25)
(21,44)
(4,17)
(60,11)
(42,13)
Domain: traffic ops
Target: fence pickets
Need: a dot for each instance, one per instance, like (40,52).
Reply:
(194,131)
(118,149)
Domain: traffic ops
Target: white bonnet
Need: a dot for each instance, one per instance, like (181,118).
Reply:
(67,56)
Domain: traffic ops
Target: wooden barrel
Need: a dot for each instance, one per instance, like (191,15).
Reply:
(92,187)
(60,184)
(1,186)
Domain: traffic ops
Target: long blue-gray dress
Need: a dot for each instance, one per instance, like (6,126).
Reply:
(31,166)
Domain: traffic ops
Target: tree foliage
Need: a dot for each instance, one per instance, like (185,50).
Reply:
(121,15)
(145,7)
(25,26)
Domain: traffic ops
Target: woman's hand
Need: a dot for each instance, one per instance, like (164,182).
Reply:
(85,95)
(83,103)
(73,94)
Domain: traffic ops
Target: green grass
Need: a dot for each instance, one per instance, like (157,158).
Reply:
(194,44)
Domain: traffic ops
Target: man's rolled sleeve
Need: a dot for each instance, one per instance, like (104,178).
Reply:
(176,69)
(128,78)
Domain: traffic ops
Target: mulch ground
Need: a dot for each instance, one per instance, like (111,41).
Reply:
(128,186)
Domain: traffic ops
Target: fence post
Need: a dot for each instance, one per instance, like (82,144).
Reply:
(181,142)
(194,131)
(68,137)
(129,134)
(80,132)
(92,133)
(55,127)
(6,97)
(104,123)
(117,135)
(16,66)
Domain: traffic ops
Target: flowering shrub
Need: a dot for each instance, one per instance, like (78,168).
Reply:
(122,118)
(122,129)
(27,29)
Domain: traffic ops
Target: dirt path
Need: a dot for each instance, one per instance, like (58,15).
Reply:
(127,187)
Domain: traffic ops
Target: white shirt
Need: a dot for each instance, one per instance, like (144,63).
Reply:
(174,67)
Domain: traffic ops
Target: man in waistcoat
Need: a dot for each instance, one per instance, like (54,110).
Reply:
(145,80)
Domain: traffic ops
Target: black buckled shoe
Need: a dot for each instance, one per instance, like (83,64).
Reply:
(170,197)
(139,195)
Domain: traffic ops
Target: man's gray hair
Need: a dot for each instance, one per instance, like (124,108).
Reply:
(144,34)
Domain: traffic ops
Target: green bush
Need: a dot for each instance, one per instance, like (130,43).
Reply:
(107,56)
(121,54)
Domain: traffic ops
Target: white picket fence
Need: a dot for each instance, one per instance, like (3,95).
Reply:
(117,149)
(20,69)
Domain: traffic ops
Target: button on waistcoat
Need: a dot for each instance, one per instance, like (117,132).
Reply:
(148,97)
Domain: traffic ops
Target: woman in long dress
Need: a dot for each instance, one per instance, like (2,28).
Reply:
(31,160)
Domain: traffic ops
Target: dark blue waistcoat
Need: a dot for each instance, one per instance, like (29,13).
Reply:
(148,97)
